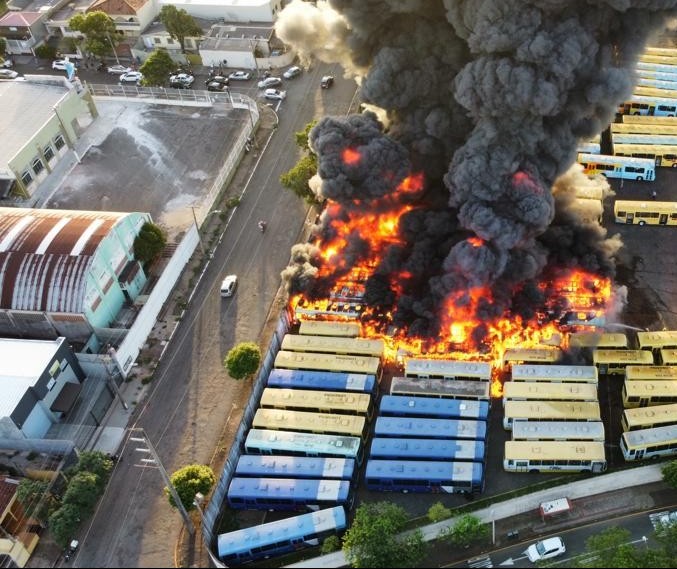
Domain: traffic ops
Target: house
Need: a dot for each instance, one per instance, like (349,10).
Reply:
(23,30)
(235,11)
(18,538)
(40,382)
(42,118)
(68,273)
(130,16)
(156,36)
(237,46)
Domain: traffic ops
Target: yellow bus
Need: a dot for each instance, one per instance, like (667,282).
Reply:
(540,391)
(555,373)
(624,167)
(645,213)
(662,155)
(650,373)
(329,328)
(558,431)
(655,58)
(327,362)
(669,51)
(319,401)
(609,340)
(447,369)
(647,393)
(554,456)
(615,361)
(514,356)
(656,442)
(589,192)
(646,91)
(652,106)
(657,340)
(332,345)
(549,411)
(644,127)
(590,211)
(667,356)
(649,417)
(643,139)
(306,422)
(637,119)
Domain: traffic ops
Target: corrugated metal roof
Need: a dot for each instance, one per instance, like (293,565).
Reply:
(45,256)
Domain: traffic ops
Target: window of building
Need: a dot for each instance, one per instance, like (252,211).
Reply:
(170,41)
(38,166)
(59,142)
(26,178)
(157,40)
(49,153)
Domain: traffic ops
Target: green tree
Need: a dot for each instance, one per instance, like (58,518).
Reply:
(3,46)
(666,554)
(63,524)
(243,360)
(97,463)
(157,67)
(373,540)
(330,544)
(98,29)
(669,471)
(180,25)
(438,512)
(302,136)
(83,492)
(466,529)
(610,548)
(149,242)
(190,480)
(45,51)
(35,499)
(296,179)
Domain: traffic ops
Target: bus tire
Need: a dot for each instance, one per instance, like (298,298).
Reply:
(641,222)
(654,457)
(640,178)
(674,165)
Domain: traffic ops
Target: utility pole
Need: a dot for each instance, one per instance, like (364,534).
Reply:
(155,461)
(197,228)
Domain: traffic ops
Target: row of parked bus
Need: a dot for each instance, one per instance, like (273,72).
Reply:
(307,440)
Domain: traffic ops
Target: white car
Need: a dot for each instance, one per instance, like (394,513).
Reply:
(228,285)
(7,63)
(275,94)
(293,71)
(240,76)
(8,74)
(60,64)
(546,549)
(269,82)
(118,69)
(131,77)
(181,80)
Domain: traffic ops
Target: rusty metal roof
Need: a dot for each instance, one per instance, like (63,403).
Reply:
(45,256)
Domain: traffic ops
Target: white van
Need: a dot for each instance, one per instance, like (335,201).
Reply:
(228,285)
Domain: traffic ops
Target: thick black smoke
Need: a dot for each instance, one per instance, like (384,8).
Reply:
(488,98)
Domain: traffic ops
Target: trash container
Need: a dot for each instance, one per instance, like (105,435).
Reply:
(514,534)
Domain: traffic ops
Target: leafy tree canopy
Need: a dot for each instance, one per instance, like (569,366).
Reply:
(438,512)
(296,179)
(373,540)
(63,524)
(149,242)
(466,529)
(96,462)
(157,67)
(190,480)
(243,360)
(35,499)
(83,491)
(3,46)
(98,29)
(669,471)
(302,136)
(611,548)
(180,24)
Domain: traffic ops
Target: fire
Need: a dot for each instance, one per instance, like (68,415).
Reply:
(351,156)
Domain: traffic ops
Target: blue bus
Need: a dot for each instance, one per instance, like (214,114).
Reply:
(403,406)
(430,428)
(288,493)
(427,449)
(282,536)
(424,476)
(327,380)
(260,466)
(263,441)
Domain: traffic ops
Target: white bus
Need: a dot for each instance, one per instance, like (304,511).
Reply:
(644,127)
(555,373)
(667,82)
(649,443)
(624,167)
(644,105)
(554,456)
(662,139)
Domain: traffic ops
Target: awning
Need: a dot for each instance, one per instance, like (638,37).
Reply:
(66,399)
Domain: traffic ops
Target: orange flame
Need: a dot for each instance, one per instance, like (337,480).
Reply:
(351,156)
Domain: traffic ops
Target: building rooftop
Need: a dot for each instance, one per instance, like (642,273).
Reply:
(21,364)
(116,7)
(69,10)
(8,488)
(225,4)
(235,38)
(19,19)
(26,107)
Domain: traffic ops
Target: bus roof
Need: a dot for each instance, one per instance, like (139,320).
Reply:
(565,410)
(608,159)
(294,466)
(538,372)
(333,345)
(307,443)
(351,425)
(644,139)
(328,380)
(649,119)
(555,450)
(650,415)
(297,527)
(636,205)
(558,430)
(548,391)
(433,407)
(651,148)
(288,489)
(644,437)
(643,128)
(660,338)
(650,388)
(459,388)
(533,355)
(603,356)
(327,362)
(633,373)
(430,428)
(428,449)
(598,340)
(424,470)
(668,356)
(310,399)
(329,328)
(447,368)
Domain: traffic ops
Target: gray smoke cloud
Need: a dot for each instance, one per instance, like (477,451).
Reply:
(488,98)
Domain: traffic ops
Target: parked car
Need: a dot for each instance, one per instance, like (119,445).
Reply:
(292,72)
(217,86)
(240,76)
(269,82)
(132,77)
(546,549)
(7,64)
(8,74)
(181,81)
(327,81)
(118,69)
(60,64)
(217,79)
(228,285)
(275,94)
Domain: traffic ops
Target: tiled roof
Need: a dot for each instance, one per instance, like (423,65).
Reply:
(19,19)
(115,7)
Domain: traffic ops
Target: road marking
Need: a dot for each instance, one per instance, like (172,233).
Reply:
(482,561)
(511,561)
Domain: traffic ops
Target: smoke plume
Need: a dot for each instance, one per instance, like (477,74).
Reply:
(488,100)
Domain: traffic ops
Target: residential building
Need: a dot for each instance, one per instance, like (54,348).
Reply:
(130,16)
(238,46)
(40,381)
(236,11)
(18,538)
(23,30)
